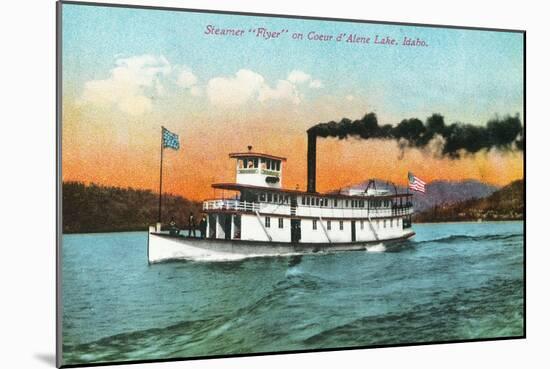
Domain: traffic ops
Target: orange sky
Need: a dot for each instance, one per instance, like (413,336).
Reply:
(101,147)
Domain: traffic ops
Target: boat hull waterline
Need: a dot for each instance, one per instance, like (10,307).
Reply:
(162,247)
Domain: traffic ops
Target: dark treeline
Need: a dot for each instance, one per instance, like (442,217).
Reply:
(505,204)
(95,208)
(501,133)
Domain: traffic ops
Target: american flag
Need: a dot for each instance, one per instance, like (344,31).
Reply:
(170,140)
(416,184)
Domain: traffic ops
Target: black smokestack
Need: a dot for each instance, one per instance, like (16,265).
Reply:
(499,133)
(311,161)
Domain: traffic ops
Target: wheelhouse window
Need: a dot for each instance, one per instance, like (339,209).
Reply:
(267,222)
(281,223)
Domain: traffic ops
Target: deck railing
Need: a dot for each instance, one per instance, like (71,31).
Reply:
(230,205)
(308,211)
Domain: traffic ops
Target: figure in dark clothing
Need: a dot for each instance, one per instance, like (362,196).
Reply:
(202,227)
(192,225)
(174,231)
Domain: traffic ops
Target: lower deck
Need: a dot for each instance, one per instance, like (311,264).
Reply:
(274,228)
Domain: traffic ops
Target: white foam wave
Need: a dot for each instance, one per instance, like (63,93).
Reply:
(379,247)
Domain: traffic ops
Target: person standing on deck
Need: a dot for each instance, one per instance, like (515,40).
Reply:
(202,226)
(192,225)
(174,231)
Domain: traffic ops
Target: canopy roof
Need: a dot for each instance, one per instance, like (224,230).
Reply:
(240,187)
(255,154)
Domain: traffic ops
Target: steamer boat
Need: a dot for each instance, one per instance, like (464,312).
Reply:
(264,219)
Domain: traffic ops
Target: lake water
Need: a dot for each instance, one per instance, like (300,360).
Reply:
(453,281)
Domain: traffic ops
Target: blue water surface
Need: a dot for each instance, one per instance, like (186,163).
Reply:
(453,281)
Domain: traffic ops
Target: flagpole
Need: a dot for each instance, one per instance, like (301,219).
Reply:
(160,181)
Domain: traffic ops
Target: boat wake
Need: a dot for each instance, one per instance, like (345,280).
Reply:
(379,247)
(467,238)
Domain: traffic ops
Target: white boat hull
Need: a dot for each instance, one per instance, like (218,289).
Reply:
(164,247)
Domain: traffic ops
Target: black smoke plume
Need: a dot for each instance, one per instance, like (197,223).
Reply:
(500,133)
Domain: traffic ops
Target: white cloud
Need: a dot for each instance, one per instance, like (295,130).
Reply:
(186,78)
(297,76)
(247,85)
(235,90)
(284,90)
(315,83)
(131,84)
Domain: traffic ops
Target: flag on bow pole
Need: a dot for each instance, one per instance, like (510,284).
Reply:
(169,140)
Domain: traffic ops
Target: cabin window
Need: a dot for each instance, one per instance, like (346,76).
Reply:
(262,197)
(341,225)
(256,163)
(303,200)
(335,203)
(362,203)
(391,223)
(326,202)
(362,224)
(269,197)
(384,223)
(267,222)
(328,225)
(307,201)
(314,224)
(281,224)
(278,165)
(347,203)
(317,201)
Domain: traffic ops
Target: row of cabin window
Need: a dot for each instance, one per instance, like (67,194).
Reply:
(263,163)
(341,223)
(316,201)
(274,197)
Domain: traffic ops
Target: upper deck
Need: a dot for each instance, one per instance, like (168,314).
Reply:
(304,204)
(259,189)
